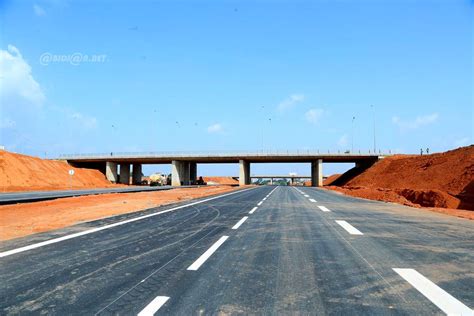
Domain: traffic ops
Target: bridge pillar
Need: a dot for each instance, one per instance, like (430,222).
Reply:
(192,172)
(125,173)
(177,173)
(111,171)
(244,172)
(317,173)
(137,173)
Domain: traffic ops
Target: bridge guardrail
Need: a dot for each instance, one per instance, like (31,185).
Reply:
(216,153)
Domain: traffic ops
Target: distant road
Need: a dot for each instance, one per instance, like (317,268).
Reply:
(21,197)
(261,251)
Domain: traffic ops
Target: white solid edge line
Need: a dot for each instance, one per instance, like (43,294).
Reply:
(312,200)
(153,306)
(324,208)
(93,230)
(240,222)
(434,293)
(350,229)
(259,203)
(207,254)
(253,210)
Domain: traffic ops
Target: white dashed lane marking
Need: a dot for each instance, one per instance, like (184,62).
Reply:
(240,222)
(350,229)
(154,306)
(434,293)
(324,208)
(207,254)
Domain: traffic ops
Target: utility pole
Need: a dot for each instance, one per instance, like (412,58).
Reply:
(373,115)
(352,142)
(269,133)
(262,128)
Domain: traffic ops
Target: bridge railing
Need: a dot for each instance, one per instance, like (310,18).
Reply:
(217,153)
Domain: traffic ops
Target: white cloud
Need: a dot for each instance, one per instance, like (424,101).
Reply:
(418,122)
(343,141)
(314,115)
(214,128)
(39,11)
(462,142)
(290,102)
(23,99)
(18,87)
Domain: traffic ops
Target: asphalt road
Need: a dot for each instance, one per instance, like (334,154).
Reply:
(300,251)
(22,197)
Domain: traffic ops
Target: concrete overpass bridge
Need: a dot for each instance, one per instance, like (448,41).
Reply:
(184,164)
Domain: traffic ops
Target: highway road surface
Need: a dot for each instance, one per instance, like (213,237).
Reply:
(22,197)
(261,251)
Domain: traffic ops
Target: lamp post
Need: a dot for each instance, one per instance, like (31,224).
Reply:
(352,141)
(373,116)
(269,133)
(262,127)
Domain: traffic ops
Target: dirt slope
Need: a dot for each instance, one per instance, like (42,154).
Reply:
(221,180)
(331,179)
(25,173)
(444,180)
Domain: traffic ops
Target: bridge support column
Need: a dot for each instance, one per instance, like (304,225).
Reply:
(137,173)
(183,173)
(244,172)
(317,173)
(125,173)
(111,171)
(177,173)
(192,172)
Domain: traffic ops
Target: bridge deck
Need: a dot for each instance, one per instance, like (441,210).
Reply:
(233,157)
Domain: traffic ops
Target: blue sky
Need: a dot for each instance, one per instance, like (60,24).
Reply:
(235,75)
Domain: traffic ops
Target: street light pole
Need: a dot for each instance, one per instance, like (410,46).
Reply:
(352,142)
(269,133)
(262,127)
(373,115)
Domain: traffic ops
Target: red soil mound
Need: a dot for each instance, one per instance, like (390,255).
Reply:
(221,180)
(444,180)
(26,173)
(329,180)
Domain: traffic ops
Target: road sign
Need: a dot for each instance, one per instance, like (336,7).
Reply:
(71,172)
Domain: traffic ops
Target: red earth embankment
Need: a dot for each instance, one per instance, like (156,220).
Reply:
(221,180)
(25,173)
(444,180)
(329,180)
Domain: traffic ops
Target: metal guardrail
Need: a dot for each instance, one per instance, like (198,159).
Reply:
(202,154)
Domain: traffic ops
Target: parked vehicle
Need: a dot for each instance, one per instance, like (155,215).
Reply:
(159,179)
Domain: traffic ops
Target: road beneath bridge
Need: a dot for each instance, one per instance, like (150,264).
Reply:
(262,250)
